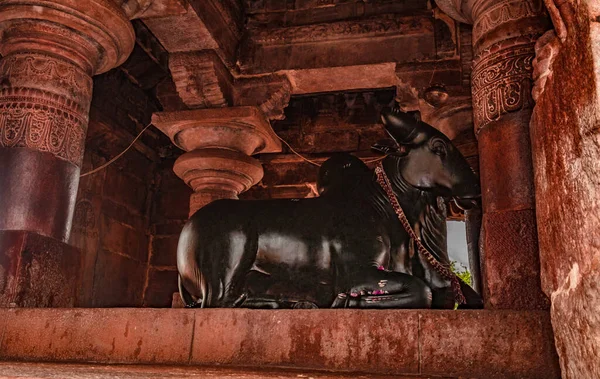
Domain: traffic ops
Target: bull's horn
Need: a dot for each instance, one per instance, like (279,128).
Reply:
(401,126)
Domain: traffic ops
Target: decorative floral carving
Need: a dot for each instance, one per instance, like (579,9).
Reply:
(49,72)
(502,80)
(41,121)
(382,25)
(505,11)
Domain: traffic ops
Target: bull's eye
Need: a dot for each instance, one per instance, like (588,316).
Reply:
(438,147)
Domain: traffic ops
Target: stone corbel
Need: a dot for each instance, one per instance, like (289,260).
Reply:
(202,80)
(271,94)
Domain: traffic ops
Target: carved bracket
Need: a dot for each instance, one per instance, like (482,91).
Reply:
(271,94)
(203,81)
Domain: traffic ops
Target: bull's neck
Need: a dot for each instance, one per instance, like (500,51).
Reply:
(411,199)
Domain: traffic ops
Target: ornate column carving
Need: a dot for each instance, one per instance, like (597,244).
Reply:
(504,36)
(50,51)
(219,143)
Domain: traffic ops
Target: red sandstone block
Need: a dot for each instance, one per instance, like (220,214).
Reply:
(123,214)
(348,340)
(161,286)
(139,336)
(125,190)
(91,371)
(164,251)
(38,271)
(169,228)
(488,344)
(118,281)
(511,269)
(122,239)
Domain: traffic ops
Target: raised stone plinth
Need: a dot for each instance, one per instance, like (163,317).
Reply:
(37,271)
(474,344)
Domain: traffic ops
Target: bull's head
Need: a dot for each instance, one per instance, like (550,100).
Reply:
(428,159)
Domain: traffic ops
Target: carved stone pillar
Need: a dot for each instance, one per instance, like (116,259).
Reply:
(50,49)
(219,143)
(504,35)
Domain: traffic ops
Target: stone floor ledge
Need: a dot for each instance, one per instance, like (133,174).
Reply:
(475,344)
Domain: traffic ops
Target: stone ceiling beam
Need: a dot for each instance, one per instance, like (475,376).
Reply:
(375,40)
(204,25)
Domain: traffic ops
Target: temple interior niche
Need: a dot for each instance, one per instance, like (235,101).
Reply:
(243,99)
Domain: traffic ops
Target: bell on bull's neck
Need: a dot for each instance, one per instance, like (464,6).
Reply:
(436,95)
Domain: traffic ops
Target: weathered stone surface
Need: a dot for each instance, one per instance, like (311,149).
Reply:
(161,286)
(118,280)
(566,154)
(399,342)
(511,268)
(98,335)
(164,250)
(38,271)
(325,339)
(503,38)
(10,370)
(487,344)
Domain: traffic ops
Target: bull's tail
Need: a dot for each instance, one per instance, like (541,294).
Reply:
(193,286)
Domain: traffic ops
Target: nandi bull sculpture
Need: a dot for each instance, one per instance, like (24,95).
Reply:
(370,240)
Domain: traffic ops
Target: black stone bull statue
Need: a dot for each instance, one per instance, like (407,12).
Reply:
(345,248)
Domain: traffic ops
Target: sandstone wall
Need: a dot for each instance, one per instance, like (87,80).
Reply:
(129,254)
(566,152)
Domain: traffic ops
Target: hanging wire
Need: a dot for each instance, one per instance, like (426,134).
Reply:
(150,124)
(118,156)
(317,164)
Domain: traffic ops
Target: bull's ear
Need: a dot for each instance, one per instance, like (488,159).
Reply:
(385,146)
(402,126)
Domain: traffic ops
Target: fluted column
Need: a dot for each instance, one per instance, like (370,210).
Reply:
(219,143)
(504,35)
(50,51)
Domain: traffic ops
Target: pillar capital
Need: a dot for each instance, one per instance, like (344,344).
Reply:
(497,20)
(94,35)
(218,144)
(504,36)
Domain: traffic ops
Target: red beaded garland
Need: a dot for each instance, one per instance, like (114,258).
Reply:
(445,272)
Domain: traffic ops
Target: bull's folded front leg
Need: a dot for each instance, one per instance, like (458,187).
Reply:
(375,288)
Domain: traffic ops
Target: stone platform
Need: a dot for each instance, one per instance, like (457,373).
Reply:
(10,370)
(474,344)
